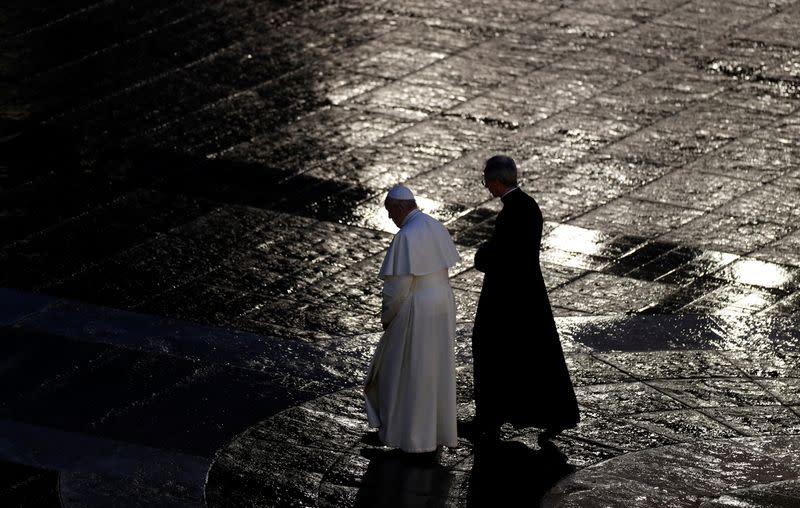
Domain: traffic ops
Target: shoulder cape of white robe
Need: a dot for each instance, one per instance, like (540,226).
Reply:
(410,389)
(422,246)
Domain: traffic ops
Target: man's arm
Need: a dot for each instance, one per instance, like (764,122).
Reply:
(485,257)
(492,255)
(395,291)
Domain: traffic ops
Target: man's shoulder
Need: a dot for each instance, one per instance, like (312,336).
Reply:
(522,205)
(422,225)
(519,197)
(422,219)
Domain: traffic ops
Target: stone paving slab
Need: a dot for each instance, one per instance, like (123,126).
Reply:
(700,470)
(190,194)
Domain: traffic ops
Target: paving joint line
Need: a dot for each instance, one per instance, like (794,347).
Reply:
(594,442)
(758,381)
(37,28)
(340,458)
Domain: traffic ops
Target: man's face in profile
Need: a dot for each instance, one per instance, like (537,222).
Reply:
(491,186)
(395,211)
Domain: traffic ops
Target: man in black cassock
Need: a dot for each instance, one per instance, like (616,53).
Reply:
(520,374)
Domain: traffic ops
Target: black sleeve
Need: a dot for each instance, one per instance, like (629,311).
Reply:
(514,244)
(493,254)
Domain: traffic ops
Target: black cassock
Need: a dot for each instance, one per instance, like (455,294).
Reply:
(519,369)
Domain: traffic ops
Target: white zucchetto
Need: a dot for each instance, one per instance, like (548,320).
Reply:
(400,192)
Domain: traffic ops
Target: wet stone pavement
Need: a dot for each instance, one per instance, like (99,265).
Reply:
(191,222)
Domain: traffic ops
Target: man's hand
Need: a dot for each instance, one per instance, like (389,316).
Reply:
(396,289)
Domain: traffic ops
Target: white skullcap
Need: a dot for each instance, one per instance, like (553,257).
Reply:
(400,192)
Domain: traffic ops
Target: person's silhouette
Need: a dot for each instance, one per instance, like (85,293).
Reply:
(519,371)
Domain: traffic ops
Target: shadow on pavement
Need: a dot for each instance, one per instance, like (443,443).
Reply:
(504,473)
(508,473)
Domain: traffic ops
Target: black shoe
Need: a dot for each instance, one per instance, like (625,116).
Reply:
(372,439)
(476,430)
(489,434)
(547,434)
(466,429)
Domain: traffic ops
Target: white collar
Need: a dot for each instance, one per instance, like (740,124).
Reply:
(509,190)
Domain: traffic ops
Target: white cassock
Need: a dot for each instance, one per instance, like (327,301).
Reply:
(410,389)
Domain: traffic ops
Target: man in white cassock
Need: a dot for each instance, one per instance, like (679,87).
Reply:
(410,388)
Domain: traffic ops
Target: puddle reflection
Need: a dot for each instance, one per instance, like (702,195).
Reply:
(566,241)
(759,273)
(726,332)
(575,239)
(395,479)
(747,304)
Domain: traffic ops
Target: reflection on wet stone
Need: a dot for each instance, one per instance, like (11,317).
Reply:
(682,425)
(592,292)
(641,256)
(758,421)
(779,494)
(672,364)
(625,398)
(395,480)
(618,434)
(715,392)
(200,171)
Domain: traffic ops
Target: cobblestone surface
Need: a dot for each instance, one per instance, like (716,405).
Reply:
(190,207)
